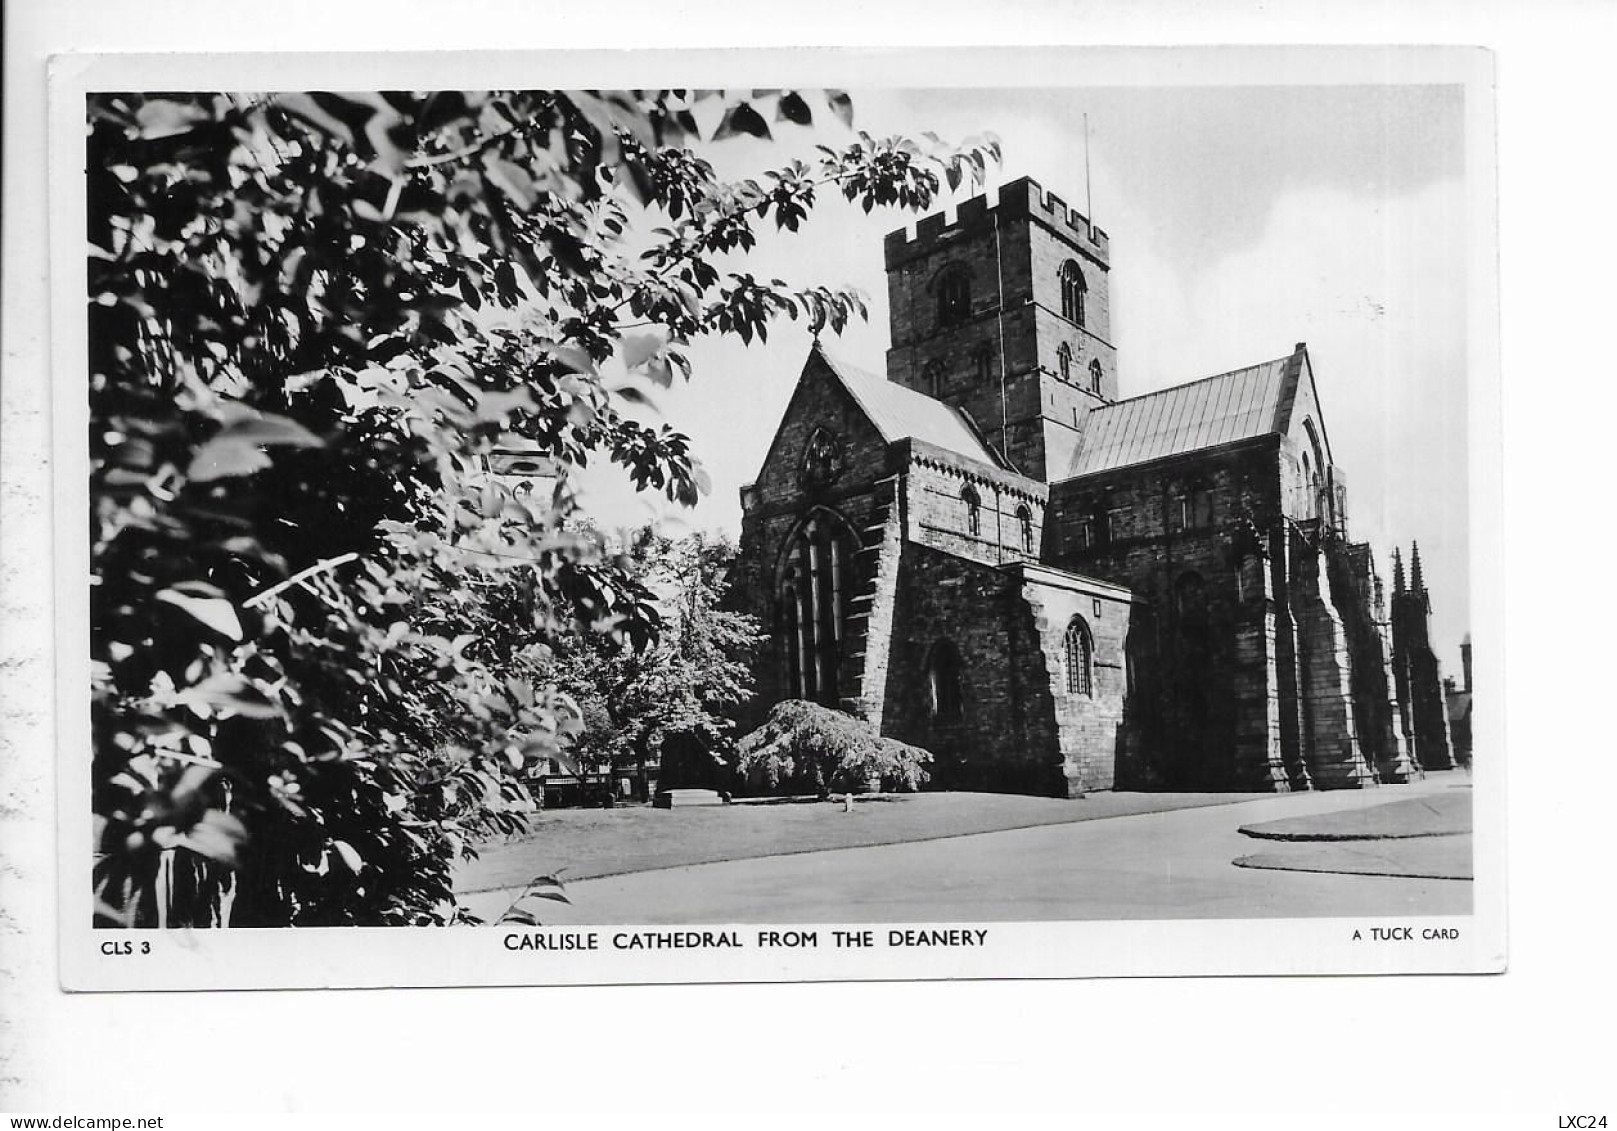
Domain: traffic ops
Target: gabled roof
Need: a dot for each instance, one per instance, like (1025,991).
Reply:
(898,412)
(1239,405)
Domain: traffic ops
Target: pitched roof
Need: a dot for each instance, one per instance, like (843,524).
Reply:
(1222,409)
(898,412)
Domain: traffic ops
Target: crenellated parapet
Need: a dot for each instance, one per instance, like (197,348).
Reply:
(1021,199)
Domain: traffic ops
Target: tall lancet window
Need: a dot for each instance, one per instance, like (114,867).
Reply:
(1080,658)
(974,510)
(1073,292)
(943,682)
(813,598)
(1064,361)
(1094,376)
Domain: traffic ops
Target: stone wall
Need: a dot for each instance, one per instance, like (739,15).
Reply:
(1003,737)
(1330,732)
(777,504)
(1165,530)
(1094,727)
(936,513)
(1355,590)
(1421,682)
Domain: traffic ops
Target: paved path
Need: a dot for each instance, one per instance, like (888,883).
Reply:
(1151,866)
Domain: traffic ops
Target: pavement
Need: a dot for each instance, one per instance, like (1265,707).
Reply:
(1159,865)
(1424,837)
(586,844)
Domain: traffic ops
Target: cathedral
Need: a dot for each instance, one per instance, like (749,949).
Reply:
(990,554)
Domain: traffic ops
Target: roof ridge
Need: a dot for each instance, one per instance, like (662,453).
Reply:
(862,385)
(1196,381)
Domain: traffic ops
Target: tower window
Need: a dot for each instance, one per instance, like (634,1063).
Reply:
(954,296)
(1095,376)
(974,510)
(1080,658)
(1073,291)
(933,379)
(984,362)
(1064,361)
(1024,518)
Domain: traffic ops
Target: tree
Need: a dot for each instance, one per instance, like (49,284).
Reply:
(312,317)
(803,747)
(684,685)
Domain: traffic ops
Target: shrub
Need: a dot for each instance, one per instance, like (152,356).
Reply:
(803,747)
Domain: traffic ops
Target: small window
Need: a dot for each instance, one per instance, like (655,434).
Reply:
(1073,291)
(1024,518)
(974,510)
(1202,507)
(1095,376)
(943,682)
(932,379)
(1080,658)
(1084,534)
(954,296)
(985,363)
(1064,361)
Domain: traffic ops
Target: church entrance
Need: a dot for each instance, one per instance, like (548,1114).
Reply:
(813,595)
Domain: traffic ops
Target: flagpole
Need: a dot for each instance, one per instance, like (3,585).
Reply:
(1089,202)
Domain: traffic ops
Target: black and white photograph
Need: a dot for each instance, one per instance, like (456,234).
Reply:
(819,531)
(1034,559)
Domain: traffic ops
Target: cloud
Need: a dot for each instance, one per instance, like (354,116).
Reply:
(1376,285)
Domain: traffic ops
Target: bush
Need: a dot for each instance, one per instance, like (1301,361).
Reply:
(805,748)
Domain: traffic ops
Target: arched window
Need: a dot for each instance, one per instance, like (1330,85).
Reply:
(933,379)
(1064,361)
(1073,290)
(984,360)
(943,682)
(954,295)
(974,510)
(813,594)
(1095,376)
(1024,519)
(1080,658)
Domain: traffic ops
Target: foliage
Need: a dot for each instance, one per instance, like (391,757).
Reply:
(311,319)
(685,683)
(803,747)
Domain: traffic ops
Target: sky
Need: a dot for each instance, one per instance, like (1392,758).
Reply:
(1243,219)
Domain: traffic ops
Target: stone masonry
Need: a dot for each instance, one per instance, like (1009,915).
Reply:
(988,553)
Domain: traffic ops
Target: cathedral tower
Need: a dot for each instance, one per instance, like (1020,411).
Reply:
(1006,313)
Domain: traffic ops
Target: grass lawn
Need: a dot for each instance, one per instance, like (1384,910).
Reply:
(580,844)
(1437,814)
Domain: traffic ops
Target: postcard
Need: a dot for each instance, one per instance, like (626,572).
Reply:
(563,519)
